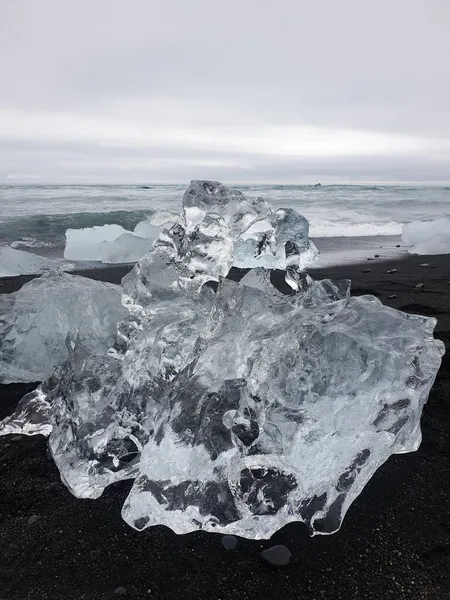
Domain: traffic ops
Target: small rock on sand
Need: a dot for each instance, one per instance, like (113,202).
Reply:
(120,591)
(366,271)
(419,286)
(54,487)
(393,297)
(397,245)
(17,438)
(278,556)
(424,265)
(33,519)
(229,542)
(377,255)
(391,271)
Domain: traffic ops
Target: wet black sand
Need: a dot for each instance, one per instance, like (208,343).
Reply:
(394,543)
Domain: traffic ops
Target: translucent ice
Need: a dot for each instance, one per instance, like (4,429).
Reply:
(35,320)
(110,244)
(83,244)
(127,248)
(236,407)
(17,262)
(147,229)
(284,414)
(428,237)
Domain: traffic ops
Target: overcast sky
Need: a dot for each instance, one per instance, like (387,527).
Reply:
(241,90)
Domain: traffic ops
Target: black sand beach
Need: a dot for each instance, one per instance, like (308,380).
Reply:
(394,542)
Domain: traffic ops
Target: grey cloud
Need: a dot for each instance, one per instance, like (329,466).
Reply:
(349,65)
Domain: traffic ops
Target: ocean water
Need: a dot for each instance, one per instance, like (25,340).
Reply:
(35,218)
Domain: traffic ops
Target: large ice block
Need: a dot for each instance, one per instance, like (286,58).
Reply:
(35,321)
(285,413)
(236,407)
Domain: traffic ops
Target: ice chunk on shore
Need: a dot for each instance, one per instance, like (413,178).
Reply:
(84,243)
(284,415)
(428,237)
(18,262)
(241,409)
(146,229)
(35,320)
(110,243)
(125,249)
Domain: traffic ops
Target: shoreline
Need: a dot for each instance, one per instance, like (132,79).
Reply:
(394,541)
(334,251)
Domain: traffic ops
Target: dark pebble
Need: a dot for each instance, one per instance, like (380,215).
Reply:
(366,271)
(33,519)
(229,542)
(377,255)
(397,246)
(54,487)
(370,258)
(278,556)
(120,591)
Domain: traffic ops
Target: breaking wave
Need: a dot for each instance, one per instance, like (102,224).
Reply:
(355,229)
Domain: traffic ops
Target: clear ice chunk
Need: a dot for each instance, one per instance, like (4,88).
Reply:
(284,414)
(35,321)
(127,248)
(18,262)
(236,407)
(110,244)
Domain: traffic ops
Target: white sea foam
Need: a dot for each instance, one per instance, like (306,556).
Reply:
(357,229)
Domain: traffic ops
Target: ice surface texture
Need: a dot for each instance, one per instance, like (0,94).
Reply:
(236,408)
(18,262)
(35,321)
(428,237)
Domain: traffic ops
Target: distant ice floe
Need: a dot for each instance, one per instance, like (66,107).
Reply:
(428,237)
(112,244)
(18,262)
